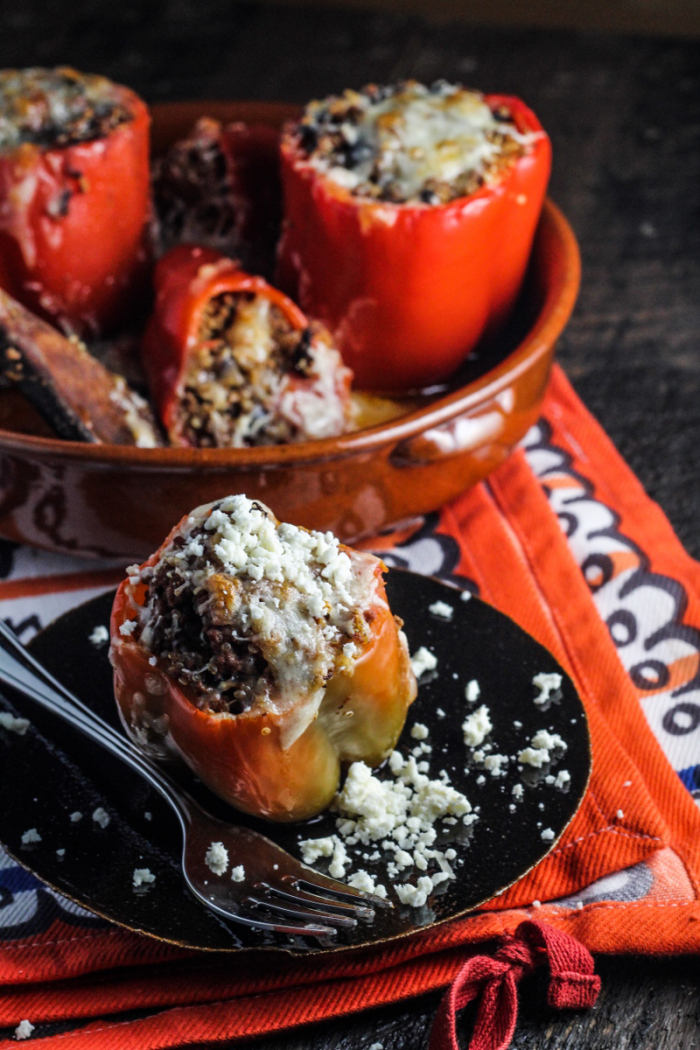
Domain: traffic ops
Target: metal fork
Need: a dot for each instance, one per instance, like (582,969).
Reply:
(277,892)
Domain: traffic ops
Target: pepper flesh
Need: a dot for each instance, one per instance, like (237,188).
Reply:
(241,757)
(187,279)
(408,290)
(74,220)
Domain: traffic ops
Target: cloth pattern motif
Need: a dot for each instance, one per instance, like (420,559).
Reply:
(563,539)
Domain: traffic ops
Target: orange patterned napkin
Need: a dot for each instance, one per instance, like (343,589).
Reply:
(563,539)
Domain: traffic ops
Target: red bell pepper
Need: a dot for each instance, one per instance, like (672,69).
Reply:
(187,279)
(246,758)
(74,219)
(409,289)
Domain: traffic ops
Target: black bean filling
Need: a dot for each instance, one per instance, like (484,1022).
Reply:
(57,108)
(321,134)
(239,411)
(221,668)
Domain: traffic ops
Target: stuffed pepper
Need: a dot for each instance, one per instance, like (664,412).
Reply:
(74,196)
(219,187)
(410,212)
(231,362)
(263,654)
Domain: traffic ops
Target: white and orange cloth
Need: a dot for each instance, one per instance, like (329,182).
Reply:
(563,539)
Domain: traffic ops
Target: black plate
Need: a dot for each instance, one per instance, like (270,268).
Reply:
(53,771)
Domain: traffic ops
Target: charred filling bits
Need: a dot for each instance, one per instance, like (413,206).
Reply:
(53,108)
(367,134)
(247,348)
(222,669)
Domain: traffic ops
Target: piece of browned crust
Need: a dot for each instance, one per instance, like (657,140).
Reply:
(74,392)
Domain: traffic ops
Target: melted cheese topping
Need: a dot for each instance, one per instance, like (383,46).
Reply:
(410,140)
(56,107)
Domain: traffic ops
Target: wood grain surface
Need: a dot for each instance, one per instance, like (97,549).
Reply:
(624,117)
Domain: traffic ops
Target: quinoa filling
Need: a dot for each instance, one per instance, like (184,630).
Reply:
(247,349)
(238,637)
(192,191)
(57,107)
(222,669)
(410,143)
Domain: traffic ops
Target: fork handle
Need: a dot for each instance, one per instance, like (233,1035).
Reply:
(21,671)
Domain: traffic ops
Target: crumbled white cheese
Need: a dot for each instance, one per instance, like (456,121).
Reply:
(562,778)
(128,627)
(330,846)
(465,596)
(419,731)
(493,764)
(361,880)
(30,837)
(439,712)
(620,815)
(534,756)
(101,817)
(442,610)
(312,849)
(24,1029)
(238,873)
(377,1046)
(415,896)
(142,877)
(216,858)
(579,905)
(477,726)
(547,685)
(547,835)
(627,783)
(76,816)
(481,779)
(548,741)
(148,816)
(423,660)
(472,691)
(99,635)
(537,904)
(518,791)
(539,753)
(60,852)
(14,724)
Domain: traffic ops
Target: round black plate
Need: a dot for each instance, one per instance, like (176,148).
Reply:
(53,771)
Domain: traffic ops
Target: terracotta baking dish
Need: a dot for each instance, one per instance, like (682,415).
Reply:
(108,500)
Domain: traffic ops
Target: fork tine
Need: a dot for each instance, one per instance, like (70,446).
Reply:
(278,908)
(310,929)
(360,910)
(315,882)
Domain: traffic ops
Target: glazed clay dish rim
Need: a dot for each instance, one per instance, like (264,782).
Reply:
(560,296)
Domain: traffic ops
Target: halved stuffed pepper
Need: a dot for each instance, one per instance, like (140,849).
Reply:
(233,362)
(263,654)
(74,197)
(410,212)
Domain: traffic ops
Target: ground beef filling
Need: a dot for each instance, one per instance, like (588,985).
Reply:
(56,107)
(234,379)
(328,134)
(222,670)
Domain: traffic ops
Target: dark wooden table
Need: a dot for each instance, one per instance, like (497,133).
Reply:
(624,117)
